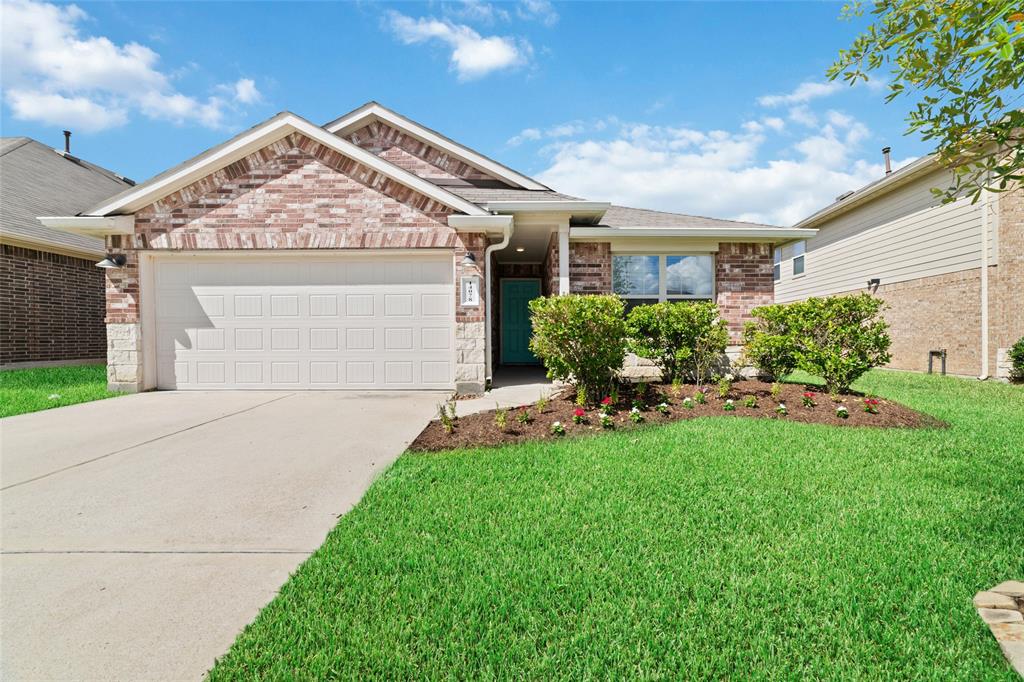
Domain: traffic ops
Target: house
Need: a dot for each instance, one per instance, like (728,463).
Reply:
(53,303)
(951,274)
(373,252)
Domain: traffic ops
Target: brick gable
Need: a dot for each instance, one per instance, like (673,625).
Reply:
(413,155)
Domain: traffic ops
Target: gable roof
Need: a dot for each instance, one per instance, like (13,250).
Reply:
(623,216)
(37,180)
(373,111)
(257,137)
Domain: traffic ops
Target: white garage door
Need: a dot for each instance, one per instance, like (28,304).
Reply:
(344,323)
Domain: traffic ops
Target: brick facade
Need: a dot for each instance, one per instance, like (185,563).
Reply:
(413,155)
(292,194)
(590,268)
(1006,281)
(743,281)
(51,310)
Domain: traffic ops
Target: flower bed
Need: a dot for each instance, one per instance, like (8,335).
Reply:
(662,404)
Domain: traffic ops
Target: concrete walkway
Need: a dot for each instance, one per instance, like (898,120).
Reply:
(141,534)
(512,387)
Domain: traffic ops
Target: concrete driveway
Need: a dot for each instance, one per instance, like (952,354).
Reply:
(141,534)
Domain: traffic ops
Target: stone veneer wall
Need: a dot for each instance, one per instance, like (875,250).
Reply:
(293,194)
(51,310)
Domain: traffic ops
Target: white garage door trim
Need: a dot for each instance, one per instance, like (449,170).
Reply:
(336,320)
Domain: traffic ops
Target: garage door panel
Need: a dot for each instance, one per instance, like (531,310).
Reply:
(321,325)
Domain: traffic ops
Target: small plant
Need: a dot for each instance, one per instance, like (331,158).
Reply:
(606,421)
(842,412)
(808,399)
(729,407)
(500,417)
(641,390)
(688,403)
(557,429)
(699,397)
(781,410)
(638,404)
(663,408)
(581,396)
(542,402)
(607,405)
(447,416)
(725,385)
(750,401)
(579,416)
(776,390)
(635,415)
(1017,361)
(676,388)
(524,416)
(871,405)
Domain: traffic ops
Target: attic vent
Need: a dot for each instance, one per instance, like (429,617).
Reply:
(844,195)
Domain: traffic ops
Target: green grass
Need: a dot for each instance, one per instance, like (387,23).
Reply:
(30,390)
(710,548)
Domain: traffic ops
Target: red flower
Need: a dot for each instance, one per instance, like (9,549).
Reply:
(579,412)
(607,400)
(809,394)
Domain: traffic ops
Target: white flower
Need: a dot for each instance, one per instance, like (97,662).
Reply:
(635,410)
(662,404)
(730,376)
(556,424)
(841,409)
(728,402)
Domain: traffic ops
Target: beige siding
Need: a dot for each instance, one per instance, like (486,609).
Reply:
(904,235)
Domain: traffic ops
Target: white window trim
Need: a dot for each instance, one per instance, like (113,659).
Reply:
(663,294)
(803,258)
(777,263)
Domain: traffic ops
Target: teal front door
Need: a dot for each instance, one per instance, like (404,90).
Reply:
(516,294)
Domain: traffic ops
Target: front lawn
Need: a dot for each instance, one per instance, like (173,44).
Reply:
(708,548)
(31,390)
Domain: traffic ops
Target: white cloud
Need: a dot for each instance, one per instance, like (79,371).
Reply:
(539,10)
(715,172)
(524,135)
(54,74)
(477,11)
(246,91)
(473,56)
(803,115)
(57,110)
(803,93)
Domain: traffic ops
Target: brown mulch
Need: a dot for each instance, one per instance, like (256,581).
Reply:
(480,429)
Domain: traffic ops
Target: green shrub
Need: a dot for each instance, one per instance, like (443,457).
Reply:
(1017,361)
(685,340)
(839,338)
(581,339)
(768,343)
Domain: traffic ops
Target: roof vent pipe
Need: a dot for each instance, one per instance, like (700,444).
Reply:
(67,141)
(888,162)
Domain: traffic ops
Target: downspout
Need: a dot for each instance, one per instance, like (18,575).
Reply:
(984,286)
(488,319)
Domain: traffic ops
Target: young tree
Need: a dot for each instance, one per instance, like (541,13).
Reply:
(962,62)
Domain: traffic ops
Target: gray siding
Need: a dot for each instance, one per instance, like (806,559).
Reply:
(906,234)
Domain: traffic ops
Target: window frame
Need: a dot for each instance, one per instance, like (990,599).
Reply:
(663,295)
(802,257)
(777,264)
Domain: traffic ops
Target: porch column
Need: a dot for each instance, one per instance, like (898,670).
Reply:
(563,258)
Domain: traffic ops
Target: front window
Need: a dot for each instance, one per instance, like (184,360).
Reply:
(649,279)
(777,267)
(798,257)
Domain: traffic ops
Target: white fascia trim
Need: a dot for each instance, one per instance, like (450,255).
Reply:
(260,137)
(894,180)
(578,209)
(91,226)
(364,114)
(773,234)
(489,224)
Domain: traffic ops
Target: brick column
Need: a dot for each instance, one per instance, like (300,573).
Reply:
(470,341)
(124,333)
(743,281)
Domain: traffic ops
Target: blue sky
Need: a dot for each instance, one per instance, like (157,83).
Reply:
(706,108)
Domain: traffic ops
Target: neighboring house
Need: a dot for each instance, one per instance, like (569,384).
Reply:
(373,252)
(945,293)
(52,307)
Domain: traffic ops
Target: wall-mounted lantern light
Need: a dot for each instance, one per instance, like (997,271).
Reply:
(112,261)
